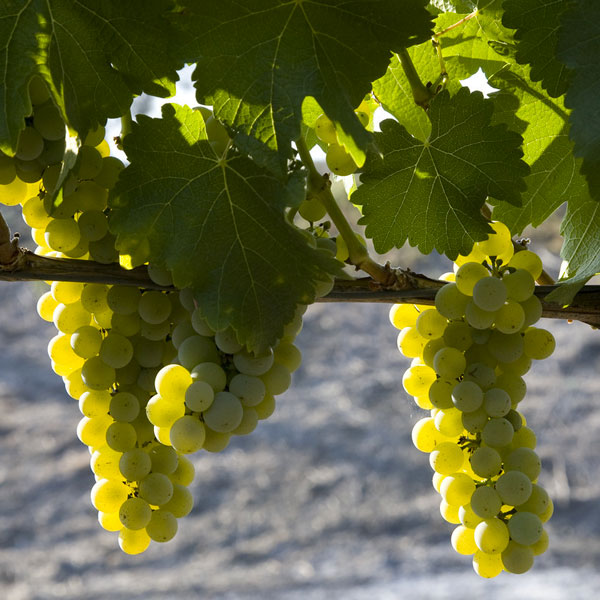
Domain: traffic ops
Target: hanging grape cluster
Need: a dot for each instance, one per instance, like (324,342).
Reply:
(154,382)
(469,355)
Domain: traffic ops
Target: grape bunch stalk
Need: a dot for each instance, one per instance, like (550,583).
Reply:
(153,380)
(469,355)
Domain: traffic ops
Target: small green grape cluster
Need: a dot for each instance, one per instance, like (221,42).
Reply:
(469,355)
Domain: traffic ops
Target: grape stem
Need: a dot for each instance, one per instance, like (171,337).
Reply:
(319,186)
(422,94)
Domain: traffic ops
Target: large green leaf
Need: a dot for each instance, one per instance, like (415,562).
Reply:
(94,56)
(581,249)
(257,61)
(579,49)
(218,225)
(543,122)
(537,23)
(430,193)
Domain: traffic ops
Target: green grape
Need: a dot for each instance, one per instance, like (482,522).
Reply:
(127,325)
(133,541)
(418,379)
(66,292)
(449,363)
(477,317)
(340,161)
(440,393)
(198,324)
(162,526)
(46,305)
(108,494)
(312,210)
(74,385)
(449,422)
(38,91)
(486,462)
(95,136)
(68,318)
(532,308)
(457,489)
(135,464)
(510,318)
(62,234)
(164,459)
(105,463)
(514,385)
(156,489)
(548,512)
(517,558)
(516,367)
(288,355)
(467,517)
(154,332)
(487,565)
(486,502)
(524,438)
(89,162)
(197,349)
(14,192)
(529,261)
(541,545)
(90,196)
(250,364)
(496,402)
(172,382)
(199,395)
(30,144)
(514,488)
(181,332)
(520,285)
(430,350)
(525,528)
(182,502)
(86,341)
(127,375)
(225,413)
(404,315)
(483,375)
(116,350)
(121,436)
(29,171)
(93,225)
(537,503)
(162,412)
(215,441)
(124,407)
(497,432)
(7,169)
(467,396)
(110,521)
(187,434)
(489,294)
(425,436)
(154,307)
(91,431)
(431,324)
(449,512)
(446,458)
(325,129)
(122,299)
(96,374)
(458,335)
(514,418)
(491,536)
(524,460)
(538,343)
(34,213)
(248,423)
(410,342)
(463,540)
(93,297)
(184,473)
(60,351)
(93,403)
(468,275)
(212,374)
(498,244)
(49,122)
(135,513)
(226,341)
(148,353)
(103,320)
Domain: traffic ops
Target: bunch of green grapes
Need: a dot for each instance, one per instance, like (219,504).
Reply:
(469,355)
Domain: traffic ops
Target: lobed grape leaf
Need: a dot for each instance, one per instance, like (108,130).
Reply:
(218,225)
(256,62)
(579,49)
(543,122)
(93,55)
(537,23)
(430,193)
(581,230)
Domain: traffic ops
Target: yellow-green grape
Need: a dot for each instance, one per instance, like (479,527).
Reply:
(225,413)
(449,363)
(498,244)
(248,423)
(325,129)
(451,302)
(449,512)
(108,494)
(172,382)
(14,192)
(135,513)
(38,91)
(252,364)
(215,441)
(431,324)
(418,379)
(187,434)
(105,463)
(446,458)
(491,536)
(517,558)
(96,374)
(46,305)
(93,225)
(312,210)
(181,503)
(124,407)
(514,488)
(403,315)
(217,135)
(49,122)
(30,144)
(66,292)
(110,521)
(463,540)
(487,565)
(162,526)
(529,261)
(95,136)
(116,350)
(277,379)
(68,318)
(121,436)
(86,341)
(425,436)
(410,343)
(489,293)
(133,541)
(538,343)
(109,173)
(486,462)
(91,431)
(154,307)
(7,169)
(339,161)
(123,299)
(448,421)
(34,213)
(184,473)
(135,464)
(156,489)
(162,412)
(89,162)
(363,117)
(468,275)
(62,234)
(457,489)
(541,545)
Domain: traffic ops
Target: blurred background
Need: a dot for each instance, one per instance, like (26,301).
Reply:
(328,499)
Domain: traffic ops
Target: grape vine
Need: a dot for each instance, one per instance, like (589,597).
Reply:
(178,278)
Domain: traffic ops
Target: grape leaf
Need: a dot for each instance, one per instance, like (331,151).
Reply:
(579,49)
(94,56)
(581,230)
(431,192)
(218,225)
(543,122)
(256,62)
(537,23)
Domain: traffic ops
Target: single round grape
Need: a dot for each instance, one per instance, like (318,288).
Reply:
(538,502)
(418,379)
(431,324)
(483,375)
(532,307)
(156,489)
(110,521)
(510,318)
(197,349)
(121,436)
(517,558)
(486,462)
(499,243)
(340,161)
(162,412)
(463,540)
(467,517)
(487,565)
(34,213)
(449,512)
(86,341)
(410,342)
(49,122)
(123,299)
(440,393)
(467,396)
(425,436)
(187,434)
(457,489)
(212,374)
(524,460)
(489,293)
(478,318)
(288,355)
(251,364)
(89,162)
(430,349)
(520,285)
(184,473)
(162,526)
(108,494)
(225,413)
(172,382)
(14,192)
(449,422)
(491,536)
(46,305)
(486,502)
(116,350)
(30,144)
(164,459)
(135,513)
(62,234)
(135,464)
(124,406)
(182,502)
(312,210)
(96,374)
(93,225)
(449,363)
(133,541)
(226,341)
(541,545)
(538,343)
(514,488)
(200,395)
(468,275)
(105,463)
(496,402)
(446,458)
(93,297)
(525,528)
(404,315)
(94,403)
(325,129)
(458,335)
(154,307)
(529,261)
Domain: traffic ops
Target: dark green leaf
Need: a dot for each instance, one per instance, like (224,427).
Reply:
(218,225)
(431,193)
(256,62)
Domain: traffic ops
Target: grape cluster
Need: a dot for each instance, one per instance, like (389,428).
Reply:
(469,354)
(154,382)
